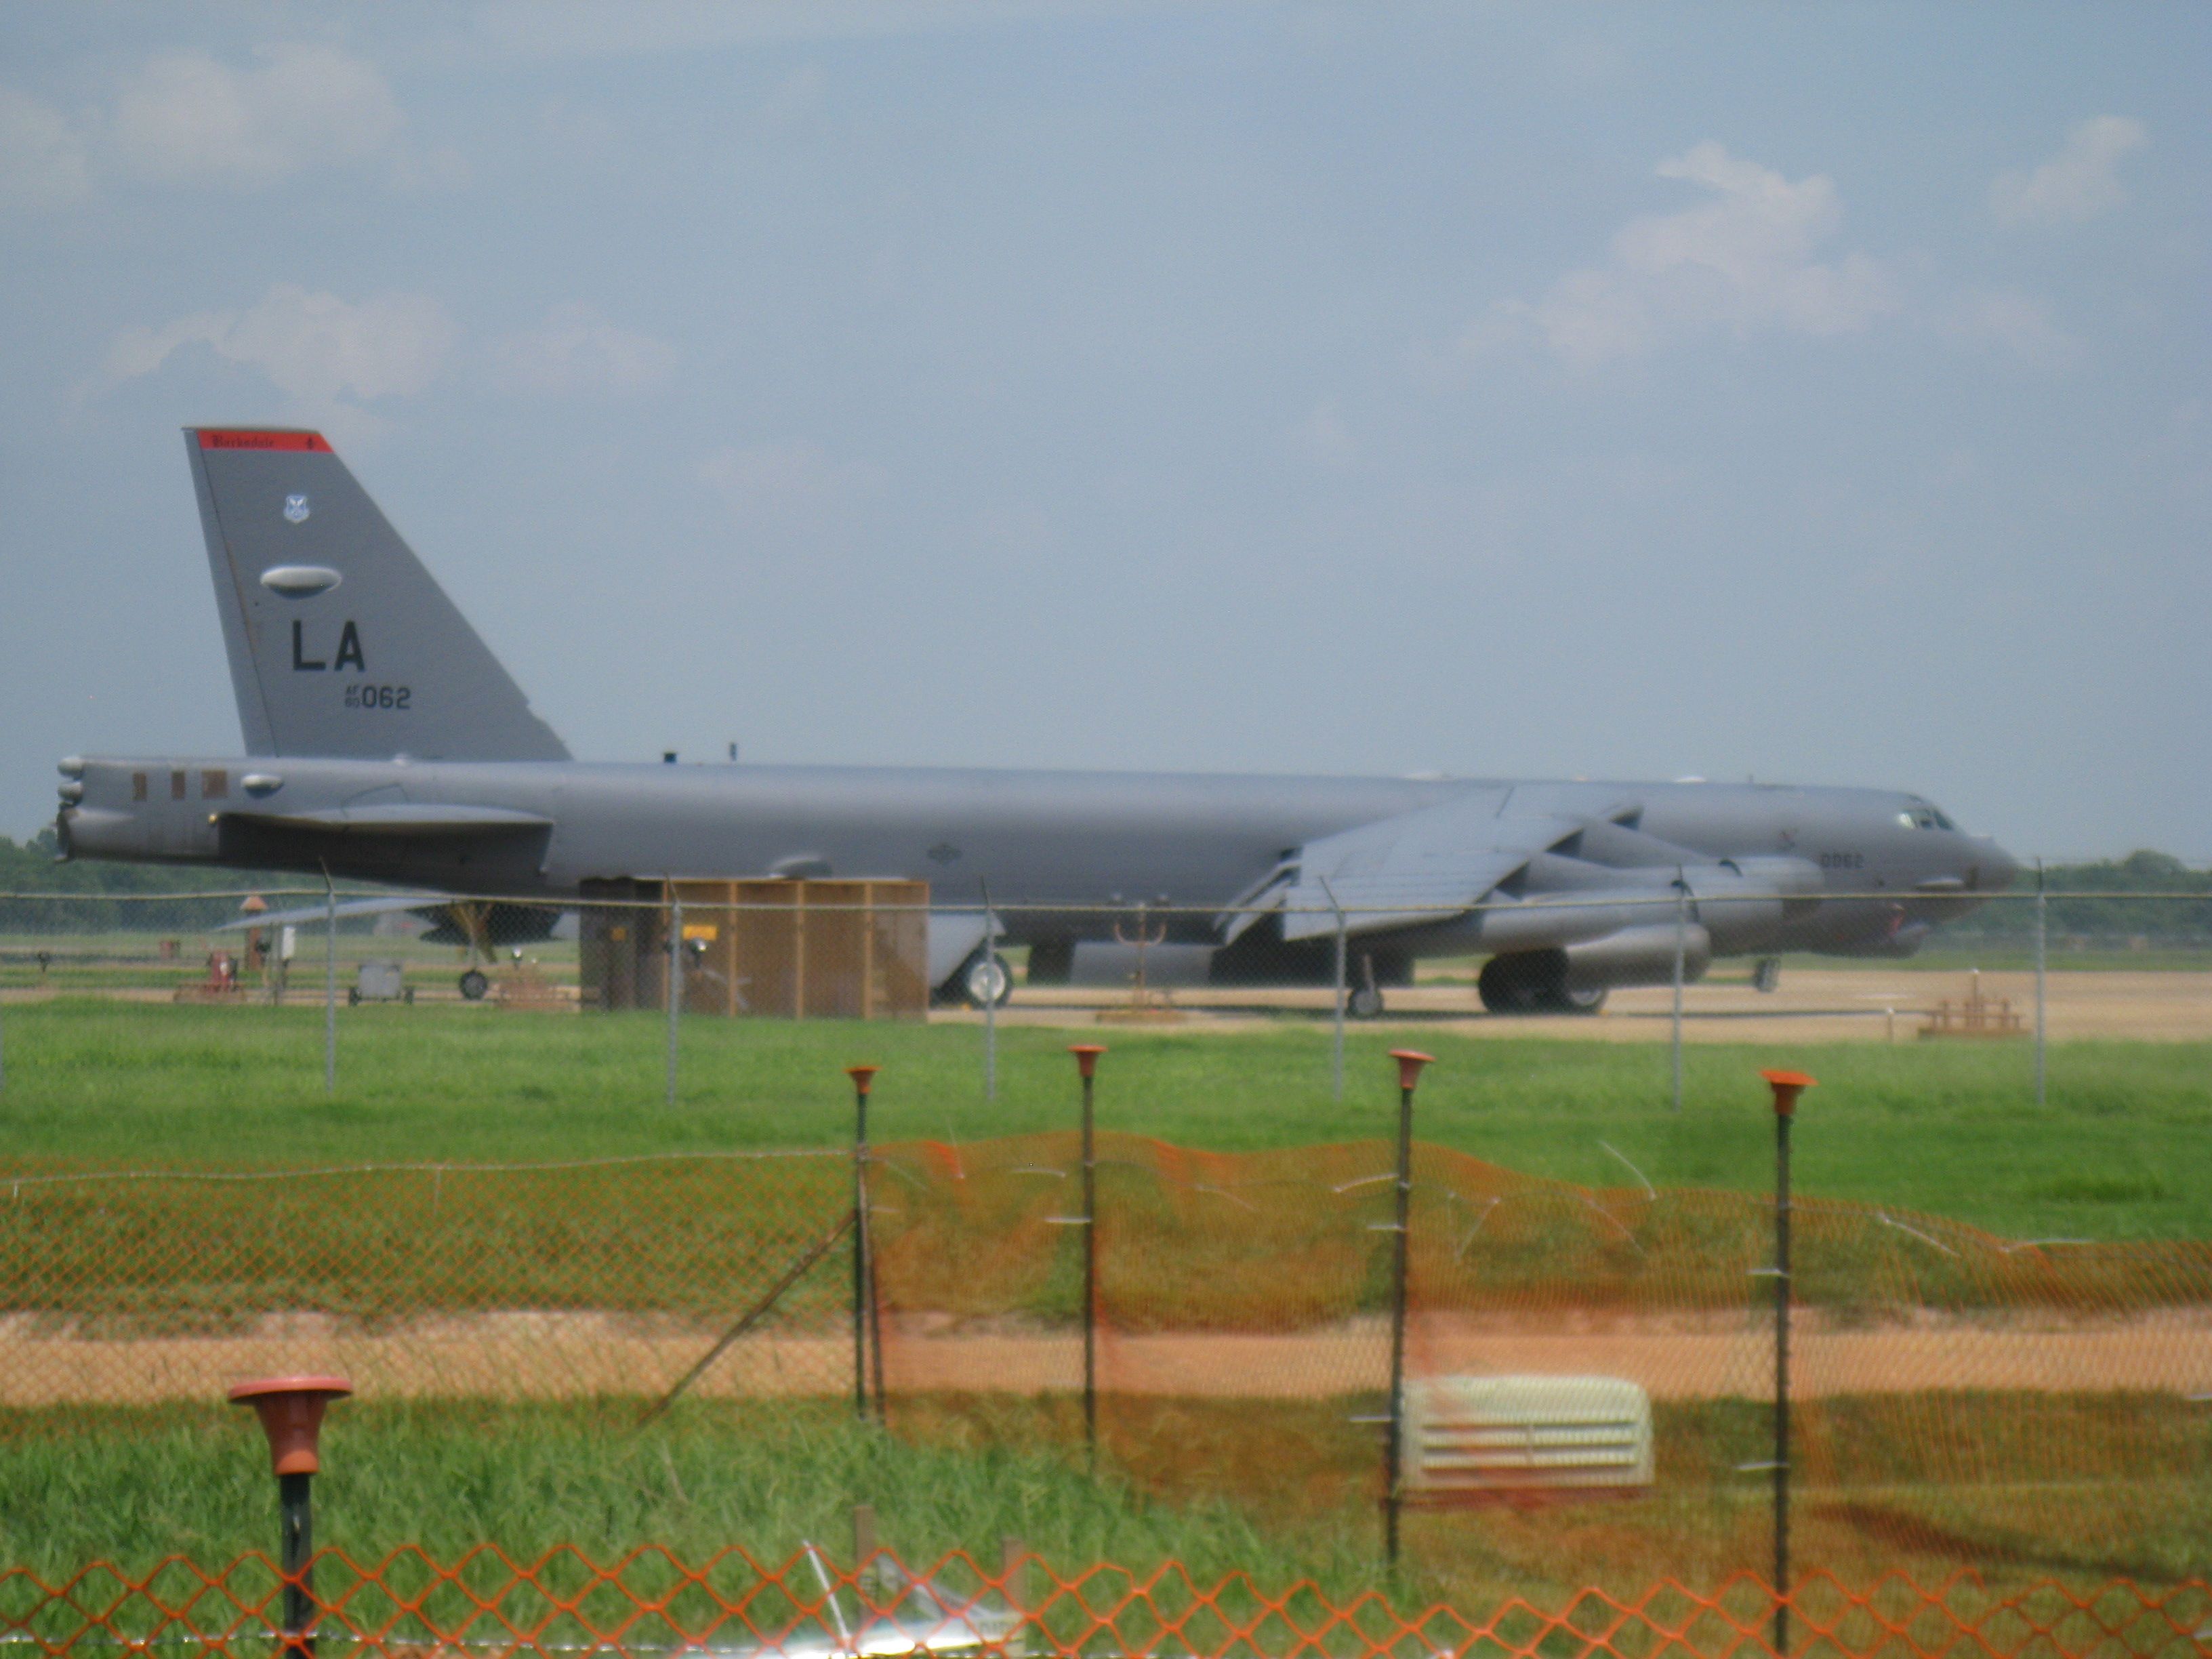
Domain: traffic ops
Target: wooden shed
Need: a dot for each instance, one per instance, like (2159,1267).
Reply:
(774,948)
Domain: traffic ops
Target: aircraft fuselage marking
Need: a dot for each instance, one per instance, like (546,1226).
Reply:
(349,654)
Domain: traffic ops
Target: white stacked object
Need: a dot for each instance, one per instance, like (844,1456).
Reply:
(1473,1436)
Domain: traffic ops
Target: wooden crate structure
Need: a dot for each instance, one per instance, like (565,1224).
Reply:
(776,949)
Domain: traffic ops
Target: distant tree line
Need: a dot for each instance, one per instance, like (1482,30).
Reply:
(2119,918)
(86,896)
(81,896)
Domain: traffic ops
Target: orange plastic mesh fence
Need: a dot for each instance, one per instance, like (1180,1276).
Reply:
(1958,1397)
(652,1602)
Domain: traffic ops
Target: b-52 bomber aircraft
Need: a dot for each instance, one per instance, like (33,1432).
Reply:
(384,742)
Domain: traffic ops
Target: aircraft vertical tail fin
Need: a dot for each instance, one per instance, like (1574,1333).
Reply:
(340,643)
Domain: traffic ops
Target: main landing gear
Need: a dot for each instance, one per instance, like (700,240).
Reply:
(1534,982)
(987,982)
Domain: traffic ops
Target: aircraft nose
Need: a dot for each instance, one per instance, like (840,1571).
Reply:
(1995,866)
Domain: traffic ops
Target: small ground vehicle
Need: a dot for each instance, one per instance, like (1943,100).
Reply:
(380,982)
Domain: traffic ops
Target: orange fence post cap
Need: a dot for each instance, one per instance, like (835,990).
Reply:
(1410,1061)
(862,1076)
(291,1412)
(1087,1057)
(1787,1087)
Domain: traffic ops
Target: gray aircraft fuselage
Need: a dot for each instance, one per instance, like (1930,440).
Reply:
(1078,842)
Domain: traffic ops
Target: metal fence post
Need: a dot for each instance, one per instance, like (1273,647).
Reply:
(1410,1062)
(990,1003)
(1681,935)
(330,985)
(675,980)
(1786,1087)
(2042,946)
(1086,1064)
(1336,1072)
(863,1077)
(291,1412)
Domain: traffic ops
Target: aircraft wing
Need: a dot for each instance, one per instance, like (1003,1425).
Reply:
(1417,865)
(383,905)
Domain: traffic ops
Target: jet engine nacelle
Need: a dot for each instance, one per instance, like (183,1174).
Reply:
(1742,903)
(1638,955)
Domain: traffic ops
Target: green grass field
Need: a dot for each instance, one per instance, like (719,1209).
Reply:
(1950,1130)
(2095,1487)
(2017,1486)
(133,1486)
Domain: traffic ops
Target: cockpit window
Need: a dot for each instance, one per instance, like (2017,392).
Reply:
(1924,817)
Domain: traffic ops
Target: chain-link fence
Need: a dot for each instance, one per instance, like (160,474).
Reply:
(2031,996)
(1594,1376)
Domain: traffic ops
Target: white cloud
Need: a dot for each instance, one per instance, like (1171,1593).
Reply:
(327,355)
(2012,322)
(795,483)
(587,28)
(1743,261)
(188,118)
(576,350)
(2079,183)
(42,158)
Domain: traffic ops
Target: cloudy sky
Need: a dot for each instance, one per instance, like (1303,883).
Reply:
(1818,393)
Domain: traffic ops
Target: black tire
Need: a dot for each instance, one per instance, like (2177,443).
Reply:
(987,980)
(1534,982)
(474,986)
(1364,1002)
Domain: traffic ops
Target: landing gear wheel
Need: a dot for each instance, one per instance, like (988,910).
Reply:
(1534,982)
(1509,985)
(474,984)
(1364,1002)
(987,983)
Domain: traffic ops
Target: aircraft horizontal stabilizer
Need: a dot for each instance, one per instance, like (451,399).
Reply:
(403,818)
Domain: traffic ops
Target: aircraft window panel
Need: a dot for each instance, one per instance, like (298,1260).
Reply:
(215,783)
(1906,818)
(177,786)
(137,786)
